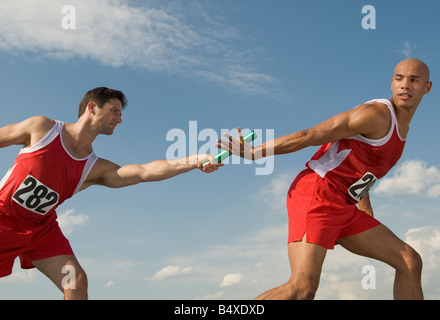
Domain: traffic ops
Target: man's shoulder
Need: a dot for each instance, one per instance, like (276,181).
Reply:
(375,108)
(36,128)
(372,119)
(38,124)
(40,121)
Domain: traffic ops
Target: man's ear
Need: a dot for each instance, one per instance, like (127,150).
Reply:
(91,107)
(428,87)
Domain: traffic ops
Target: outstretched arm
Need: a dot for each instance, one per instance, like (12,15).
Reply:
(111,175)
(371,120)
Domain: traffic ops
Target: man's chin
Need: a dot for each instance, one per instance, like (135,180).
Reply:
(108,132)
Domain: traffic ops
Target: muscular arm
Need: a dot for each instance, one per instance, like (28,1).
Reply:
(111,175)
(371,120)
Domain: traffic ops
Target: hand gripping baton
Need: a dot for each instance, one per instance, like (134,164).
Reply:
(224,154)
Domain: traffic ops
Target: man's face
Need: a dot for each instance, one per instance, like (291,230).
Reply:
(109,116)
(410,83)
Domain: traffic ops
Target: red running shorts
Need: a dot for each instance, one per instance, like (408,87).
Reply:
(316,210)
(29,244)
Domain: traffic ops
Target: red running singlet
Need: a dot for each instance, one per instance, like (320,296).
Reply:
(354,164)
(41,178)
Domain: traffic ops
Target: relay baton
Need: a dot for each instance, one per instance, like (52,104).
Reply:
(224,154)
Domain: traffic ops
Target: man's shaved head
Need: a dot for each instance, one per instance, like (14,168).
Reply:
(415,64)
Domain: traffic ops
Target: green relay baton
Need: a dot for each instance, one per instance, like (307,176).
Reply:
(224,154)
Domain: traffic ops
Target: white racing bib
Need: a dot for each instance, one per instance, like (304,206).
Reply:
(35,196)
(361,187)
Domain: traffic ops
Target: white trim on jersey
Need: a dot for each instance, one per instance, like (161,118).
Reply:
(86,170)
(330,160)
(384,140)
(48,138)
(6,177)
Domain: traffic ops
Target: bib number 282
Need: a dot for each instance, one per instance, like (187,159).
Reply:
(360,188)
(35,196)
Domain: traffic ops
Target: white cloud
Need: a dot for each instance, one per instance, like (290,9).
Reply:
(274,193)
(112,32)
(263,264)
(169,272)
(342,273)
(157,36)
(102,268)
(426,241)
(408,49)
(231,279)
(68,221)
(260,261)
(210,296)
(341,277)
(20,275)
(241,78)
(412,177)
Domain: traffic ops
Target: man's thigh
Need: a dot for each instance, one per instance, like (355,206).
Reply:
(63,270)
(306,260)
(378,243)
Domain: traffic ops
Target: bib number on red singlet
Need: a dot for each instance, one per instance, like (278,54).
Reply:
(35,196)
(359,189)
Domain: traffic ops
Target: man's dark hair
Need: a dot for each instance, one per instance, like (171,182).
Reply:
(100,96)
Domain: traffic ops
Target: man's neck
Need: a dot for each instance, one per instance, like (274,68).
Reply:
(79,137)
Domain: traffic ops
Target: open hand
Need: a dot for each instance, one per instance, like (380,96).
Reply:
(238,146)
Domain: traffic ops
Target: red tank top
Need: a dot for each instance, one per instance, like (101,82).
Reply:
(41,178)
(354,164)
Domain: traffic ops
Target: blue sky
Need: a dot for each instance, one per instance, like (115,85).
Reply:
(276,66)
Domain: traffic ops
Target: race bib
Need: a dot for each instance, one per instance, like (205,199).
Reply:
(35,196)
(360,188)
